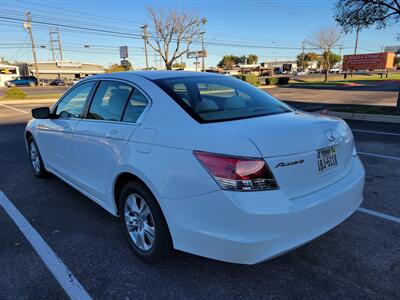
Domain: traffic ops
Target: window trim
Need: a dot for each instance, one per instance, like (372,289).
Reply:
(131,84)
(89,104)
(89,100)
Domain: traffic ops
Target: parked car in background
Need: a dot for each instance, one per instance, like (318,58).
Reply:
(22,81)
(58,82)
(314,71)
(248,178)
(61,82)
(300,73)
(334,70)
(44,82)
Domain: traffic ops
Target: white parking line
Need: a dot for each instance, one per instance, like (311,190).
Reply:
(64,277)
(10,107)
(378,155)
(376,132)
(379,215)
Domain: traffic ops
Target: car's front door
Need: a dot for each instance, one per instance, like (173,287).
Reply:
(54,135)
(100,138)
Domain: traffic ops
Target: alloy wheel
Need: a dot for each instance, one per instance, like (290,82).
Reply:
(139,222)
(35,157)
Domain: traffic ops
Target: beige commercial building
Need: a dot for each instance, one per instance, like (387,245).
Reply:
(65,69)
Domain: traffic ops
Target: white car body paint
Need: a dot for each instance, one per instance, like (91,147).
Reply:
(239,227)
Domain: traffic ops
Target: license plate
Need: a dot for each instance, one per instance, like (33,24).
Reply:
(327,159)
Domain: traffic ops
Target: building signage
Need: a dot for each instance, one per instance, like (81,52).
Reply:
(196,54)
(371,61)
(123,52)
(62,64)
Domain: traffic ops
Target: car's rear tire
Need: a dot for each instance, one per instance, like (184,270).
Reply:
(36,159)
(143,223)
(31,84)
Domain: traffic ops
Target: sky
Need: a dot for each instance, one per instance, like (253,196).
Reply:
(268,23)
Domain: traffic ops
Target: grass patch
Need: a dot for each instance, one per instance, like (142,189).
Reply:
(15,93)
(338,79)
(32,97)
(44,96)
(376,110)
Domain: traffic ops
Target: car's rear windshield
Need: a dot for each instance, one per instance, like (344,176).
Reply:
(218,98)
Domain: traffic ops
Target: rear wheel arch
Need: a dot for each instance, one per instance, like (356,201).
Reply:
(119,183)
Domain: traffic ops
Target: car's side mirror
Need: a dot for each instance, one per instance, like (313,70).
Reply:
(41,113)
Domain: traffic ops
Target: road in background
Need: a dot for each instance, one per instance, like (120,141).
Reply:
(38,90)
(371,93)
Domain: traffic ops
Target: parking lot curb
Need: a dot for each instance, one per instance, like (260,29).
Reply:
(267,87)
(364,117)
(28,101)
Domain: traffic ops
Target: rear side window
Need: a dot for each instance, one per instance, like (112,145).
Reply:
(136,105)
(109,101)
(220,98)
(71,106)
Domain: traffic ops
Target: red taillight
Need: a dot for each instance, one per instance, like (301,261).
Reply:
(238,173)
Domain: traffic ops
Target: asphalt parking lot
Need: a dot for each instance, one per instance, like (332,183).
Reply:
(358,259)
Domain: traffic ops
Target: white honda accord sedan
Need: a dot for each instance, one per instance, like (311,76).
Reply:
(199,162)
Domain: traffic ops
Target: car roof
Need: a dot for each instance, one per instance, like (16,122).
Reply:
(153,75)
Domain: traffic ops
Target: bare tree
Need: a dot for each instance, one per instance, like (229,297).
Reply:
(325,39)
(172,33)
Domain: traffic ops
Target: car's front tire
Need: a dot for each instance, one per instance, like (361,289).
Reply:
(143,223)
(36,159)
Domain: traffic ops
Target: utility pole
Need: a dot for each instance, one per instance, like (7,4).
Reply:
(340,54)
(356,45)
(155,60)
(202,49)
(145,36)
(303,55)
(28,26)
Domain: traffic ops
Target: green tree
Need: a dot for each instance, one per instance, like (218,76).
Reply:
(304,59)
(252,59)
(115,68)
(179,65)
(396,62)
(333,59)
(357,14)
(228,61)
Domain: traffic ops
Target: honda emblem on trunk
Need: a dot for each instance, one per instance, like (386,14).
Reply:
(331,136)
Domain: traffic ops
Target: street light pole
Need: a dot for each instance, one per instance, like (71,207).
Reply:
(202,50)
(356,45)
(145,36)
(28,26)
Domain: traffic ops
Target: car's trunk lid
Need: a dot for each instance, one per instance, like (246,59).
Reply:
(291,144)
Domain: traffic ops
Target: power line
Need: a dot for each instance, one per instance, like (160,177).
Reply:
(137,36)
(78,13)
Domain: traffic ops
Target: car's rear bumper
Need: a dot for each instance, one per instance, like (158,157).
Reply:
(250,227)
